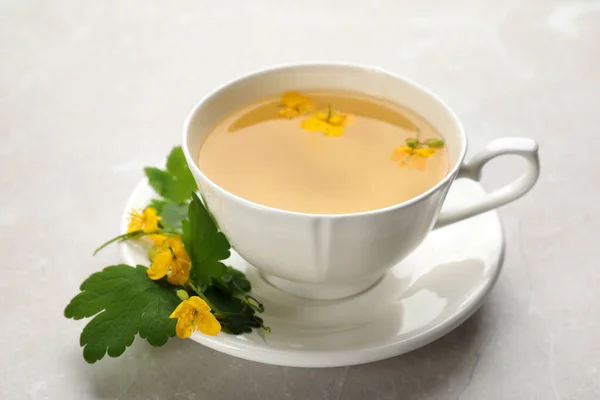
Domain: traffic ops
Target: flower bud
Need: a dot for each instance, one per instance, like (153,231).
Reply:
(412,142)
(435,143)
(183,295)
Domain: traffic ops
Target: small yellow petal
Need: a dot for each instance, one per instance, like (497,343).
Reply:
(176,243)
(158,239)
(305,108)
(151,219)
(207,323)
(337,120)
(321,115)
(313,125)
(349,120)
(185,326)
(294,105)
(400,153)
(289,113)
(419,163)
(330,123)
(160,265)
(198,304)
(181,310)
(333,131)
(292,99)
(425,152)
(150,212)
(180,271)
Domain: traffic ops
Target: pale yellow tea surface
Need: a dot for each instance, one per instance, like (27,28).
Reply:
(277,153)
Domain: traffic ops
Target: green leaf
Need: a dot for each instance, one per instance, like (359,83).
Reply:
(224,302)
(158,204)
(186,236)
(235,284)
(237,278)
(239,317)
(176,183)
(222,285)
(123,302)
(239,324)
(203,271)
(204,243)
(172,213)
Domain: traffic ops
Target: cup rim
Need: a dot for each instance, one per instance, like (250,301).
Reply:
(371,69)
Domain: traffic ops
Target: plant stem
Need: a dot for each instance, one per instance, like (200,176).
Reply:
(123,237)
(253,303)
(201,295)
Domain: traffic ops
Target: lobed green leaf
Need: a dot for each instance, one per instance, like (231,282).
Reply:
(172,213)
(123,302)
(176,183)
(206,246)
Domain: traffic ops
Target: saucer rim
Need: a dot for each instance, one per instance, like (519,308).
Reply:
(242,348)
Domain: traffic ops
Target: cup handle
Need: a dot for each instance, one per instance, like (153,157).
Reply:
(525,148)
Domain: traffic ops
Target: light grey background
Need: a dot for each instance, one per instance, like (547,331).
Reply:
(90,92)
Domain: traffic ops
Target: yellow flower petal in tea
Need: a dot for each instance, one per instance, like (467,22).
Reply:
(313,125)
(146,221)
(401,154)
(331,123)
(417,156)
(294,105)
(425,152)
(172,260)
(418,162)
(194,314)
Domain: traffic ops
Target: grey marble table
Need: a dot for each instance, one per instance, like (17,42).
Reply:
(90,92)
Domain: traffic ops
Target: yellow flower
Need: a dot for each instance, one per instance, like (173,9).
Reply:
(172,259)
(158,239)
(194,314)
(294,105)
(417,156)
(146,221)
(329,122)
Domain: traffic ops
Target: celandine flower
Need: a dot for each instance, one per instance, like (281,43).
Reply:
(194,314)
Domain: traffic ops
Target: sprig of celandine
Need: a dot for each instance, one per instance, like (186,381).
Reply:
(186,288)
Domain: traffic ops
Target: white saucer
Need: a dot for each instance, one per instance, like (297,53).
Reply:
(429,294)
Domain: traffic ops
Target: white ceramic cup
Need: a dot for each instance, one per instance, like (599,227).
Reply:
(328,256)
